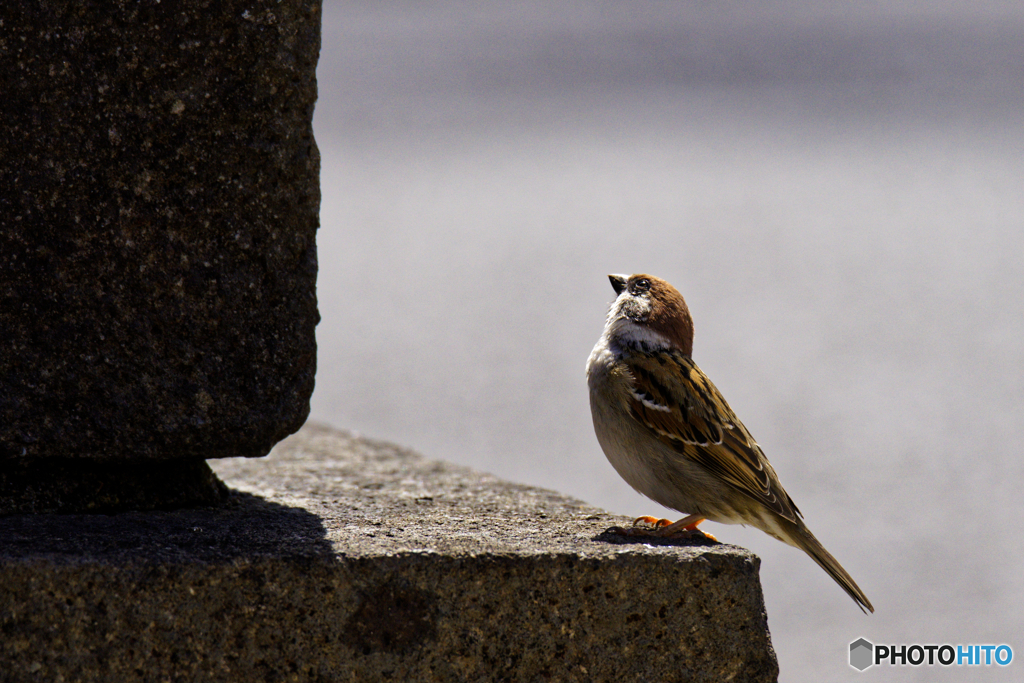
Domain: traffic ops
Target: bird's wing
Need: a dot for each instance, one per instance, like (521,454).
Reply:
(673,398)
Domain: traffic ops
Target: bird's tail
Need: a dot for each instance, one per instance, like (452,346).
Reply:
(801,537)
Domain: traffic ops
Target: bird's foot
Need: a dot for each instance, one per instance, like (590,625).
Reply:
(664,528)
(654,524)
(652,521)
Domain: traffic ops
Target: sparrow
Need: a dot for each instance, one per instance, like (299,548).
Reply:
(668,431)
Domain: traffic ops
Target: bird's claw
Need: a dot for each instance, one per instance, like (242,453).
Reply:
(663,528)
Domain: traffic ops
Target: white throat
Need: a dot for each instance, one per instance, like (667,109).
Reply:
(619,333)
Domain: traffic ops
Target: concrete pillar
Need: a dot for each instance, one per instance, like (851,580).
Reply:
(159,198)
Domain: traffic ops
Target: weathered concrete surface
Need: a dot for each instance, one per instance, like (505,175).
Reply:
(345,559)
(159,198)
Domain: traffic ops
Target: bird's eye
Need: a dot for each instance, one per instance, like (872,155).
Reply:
(640,286)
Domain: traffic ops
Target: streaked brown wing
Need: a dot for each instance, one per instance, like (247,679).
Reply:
(674,399)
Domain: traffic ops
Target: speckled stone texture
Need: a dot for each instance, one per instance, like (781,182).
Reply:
(343,559)
(159,195)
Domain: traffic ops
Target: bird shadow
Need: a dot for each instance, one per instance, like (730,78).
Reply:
(615,536)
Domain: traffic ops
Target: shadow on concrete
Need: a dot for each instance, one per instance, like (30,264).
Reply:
(245,527)
(616,537)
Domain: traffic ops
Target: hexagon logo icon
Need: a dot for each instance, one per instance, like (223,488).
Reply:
(861,654)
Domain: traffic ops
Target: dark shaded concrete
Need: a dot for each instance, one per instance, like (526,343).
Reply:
(69,485)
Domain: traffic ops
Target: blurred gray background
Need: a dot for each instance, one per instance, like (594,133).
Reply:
(838,191)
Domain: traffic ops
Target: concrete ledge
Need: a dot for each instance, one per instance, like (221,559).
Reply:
(339,558)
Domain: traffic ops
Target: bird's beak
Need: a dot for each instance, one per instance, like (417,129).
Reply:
(618,282)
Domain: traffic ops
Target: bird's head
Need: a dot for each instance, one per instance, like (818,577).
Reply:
(651,310)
